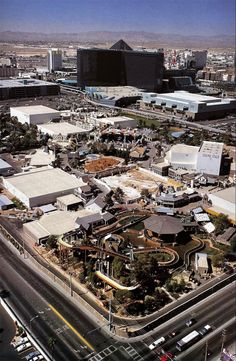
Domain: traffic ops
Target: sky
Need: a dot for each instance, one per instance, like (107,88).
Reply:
(186,17)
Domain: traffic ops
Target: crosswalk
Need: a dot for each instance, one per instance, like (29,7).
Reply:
(132,352)
(103,354)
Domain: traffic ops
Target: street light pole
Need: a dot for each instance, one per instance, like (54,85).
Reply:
(33,318)
(206,350)
(71,290)
(222,343)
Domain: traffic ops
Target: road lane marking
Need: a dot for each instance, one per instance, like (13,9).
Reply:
(72,328)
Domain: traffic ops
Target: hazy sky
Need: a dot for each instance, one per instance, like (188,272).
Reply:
(190,17)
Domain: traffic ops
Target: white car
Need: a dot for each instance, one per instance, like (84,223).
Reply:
(22,341)
(23,347)
(156,343)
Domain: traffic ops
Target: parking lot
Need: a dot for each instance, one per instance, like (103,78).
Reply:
(226,124)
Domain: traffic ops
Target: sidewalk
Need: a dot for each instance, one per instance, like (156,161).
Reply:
(229,353)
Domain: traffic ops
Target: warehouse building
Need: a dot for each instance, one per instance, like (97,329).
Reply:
(24,88)
(34,114)
(41,186)
(224,202)
(209,158)
(119,122)
(196,106)
(63,130)
(204,159)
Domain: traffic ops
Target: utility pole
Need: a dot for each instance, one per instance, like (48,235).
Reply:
(222,343)
(206,350)
(71,290)
(110,316)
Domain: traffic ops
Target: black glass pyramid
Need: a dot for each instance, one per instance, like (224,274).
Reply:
(120,45)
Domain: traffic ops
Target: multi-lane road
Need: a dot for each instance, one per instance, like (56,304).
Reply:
(77,334)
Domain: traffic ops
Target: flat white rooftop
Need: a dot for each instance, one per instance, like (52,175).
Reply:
(211,149)
(69,199)
(39,182)
(184,95)
(227,194)
(57,223)
(183,148)
(62,128)
(41,158)
(35,109)
(113,120)
(15,83)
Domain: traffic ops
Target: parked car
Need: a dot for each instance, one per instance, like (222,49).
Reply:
(23,347)
(21,341)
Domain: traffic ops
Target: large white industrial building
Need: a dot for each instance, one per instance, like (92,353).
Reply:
(203,159)
(224,202)
(41,186)
(63,129)
(120,121)
(34,114)
(182,156)
(195,105)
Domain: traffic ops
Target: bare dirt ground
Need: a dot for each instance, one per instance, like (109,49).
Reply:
(101,164)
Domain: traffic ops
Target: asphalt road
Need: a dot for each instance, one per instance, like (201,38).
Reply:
(54,316)
(216,310)
(58,318)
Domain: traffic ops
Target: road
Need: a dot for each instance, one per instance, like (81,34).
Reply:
(215,311)
(150,114)
(73,329)
(54,316)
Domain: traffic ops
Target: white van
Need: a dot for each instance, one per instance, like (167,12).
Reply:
(156,343)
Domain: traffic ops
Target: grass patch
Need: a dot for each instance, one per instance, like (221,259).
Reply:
(181,249)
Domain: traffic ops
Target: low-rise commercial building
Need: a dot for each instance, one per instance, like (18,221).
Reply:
(196,106)
(201,264)
(69,202)
(24,88)
(224,202)
(34,114)
(62,130)
(41,186)
(120,121)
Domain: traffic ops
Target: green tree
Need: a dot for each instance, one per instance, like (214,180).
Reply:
(221,223)
(145,193)
(218,259)
(233,244)
(108,198)
(51,242)
(118,267)
(119,195)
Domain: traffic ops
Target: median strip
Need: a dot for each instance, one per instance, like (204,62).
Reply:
(72,328)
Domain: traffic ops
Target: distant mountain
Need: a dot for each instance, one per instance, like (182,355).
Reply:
(133,37)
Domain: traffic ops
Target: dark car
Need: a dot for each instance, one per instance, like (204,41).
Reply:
(4,293)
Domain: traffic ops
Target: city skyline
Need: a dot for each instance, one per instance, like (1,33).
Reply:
(210,17)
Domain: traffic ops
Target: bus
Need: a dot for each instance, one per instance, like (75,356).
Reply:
(188,340)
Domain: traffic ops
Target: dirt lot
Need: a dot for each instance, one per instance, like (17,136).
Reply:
(101,164)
